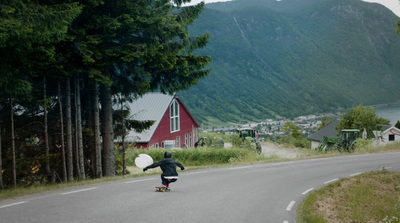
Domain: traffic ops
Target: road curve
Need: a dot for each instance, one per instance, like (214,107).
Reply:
(254,193)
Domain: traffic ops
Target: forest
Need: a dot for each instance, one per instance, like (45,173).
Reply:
(68,67)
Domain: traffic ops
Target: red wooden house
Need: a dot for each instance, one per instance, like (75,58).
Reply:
(173,126)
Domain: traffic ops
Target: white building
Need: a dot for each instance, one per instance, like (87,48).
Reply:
(389,134)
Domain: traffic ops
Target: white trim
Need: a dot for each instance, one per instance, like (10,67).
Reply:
(174,116)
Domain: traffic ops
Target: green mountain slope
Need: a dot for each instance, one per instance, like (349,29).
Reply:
(300,57)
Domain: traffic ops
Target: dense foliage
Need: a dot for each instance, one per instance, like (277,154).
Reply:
(200,156)
(62,64)
(361,118)
(292,58)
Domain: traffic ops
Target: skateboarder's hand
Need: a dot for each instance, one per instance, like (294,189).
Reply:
(144,169)
(182,168)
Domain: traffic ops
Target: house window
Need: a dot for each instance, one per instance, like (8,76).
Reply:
(178,142)
(174,116)
(186,140)
(157,145)
(391,137)
(190,140)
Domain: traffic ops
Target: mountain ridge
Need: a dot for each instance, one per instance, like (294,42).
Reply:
(319,56)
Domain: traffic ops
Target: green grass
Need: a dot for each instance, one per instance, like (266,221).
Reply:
(202,156)
(369,197)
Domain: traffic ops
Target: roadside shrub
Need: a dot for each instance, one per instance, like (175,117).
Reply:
(243,143)
(290,141)
(196,157)
(215,135)
(363,145)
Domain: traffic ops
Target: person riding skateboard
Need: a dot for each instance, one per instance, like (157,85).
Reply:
(168,166)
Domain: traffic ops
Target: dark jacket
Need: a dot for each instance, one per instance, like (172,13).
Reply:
(168,166)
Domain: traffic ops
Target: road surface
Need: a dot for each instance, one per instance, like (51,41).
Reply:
(254,193)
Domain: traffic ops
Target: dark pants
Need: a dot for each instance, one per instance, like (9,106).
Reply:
(166,181)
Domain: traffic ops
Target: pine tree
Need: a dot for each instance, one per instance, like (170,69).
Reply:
(133,47)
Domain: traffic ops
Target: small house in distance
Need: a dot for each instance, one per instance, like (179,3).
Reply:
(173,126)
(388,134)
(328,131)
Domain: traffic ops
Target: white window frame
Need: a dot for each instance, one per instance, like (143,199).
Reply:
(178,142)
(174,116)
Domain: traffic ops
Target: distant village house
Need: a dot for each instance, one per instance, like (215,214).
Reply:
(388,134)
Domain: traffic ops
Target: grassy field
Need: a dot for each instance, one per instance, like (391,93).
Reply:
(369,197)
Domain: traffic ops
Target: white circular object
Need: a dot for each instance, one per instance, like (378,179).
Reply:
(143,160)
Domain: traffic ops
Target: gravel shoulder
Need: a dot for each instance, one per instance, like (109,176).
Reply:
(272,149)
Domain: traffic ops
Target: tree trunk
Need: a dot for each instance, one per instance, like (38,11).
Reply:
(64,168)
(108,132)
(123,141)
(1,163)
(14,166)
(90,125)
(70,163)
(123,152)
(97,141)
(78,127)
(46,134)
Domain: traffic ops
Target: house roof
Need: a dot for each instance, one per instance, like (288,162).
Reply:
(151,106)
(384,127)
(328,130)
(391,129)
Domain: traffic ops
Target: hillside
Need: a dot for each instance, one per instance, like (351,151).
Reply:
(292,57)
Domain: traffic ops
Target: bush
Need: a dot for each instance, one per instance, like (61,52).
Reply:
(196,157)
(363,145)
(290,141)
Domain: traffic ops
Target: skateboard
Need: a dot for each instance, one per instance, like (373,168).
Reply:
(162,189)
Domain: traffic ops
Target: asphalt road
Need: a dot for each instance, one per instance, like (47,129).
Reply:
(255,193)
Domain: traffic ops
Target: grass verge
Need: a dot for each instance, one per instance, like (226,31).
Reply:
(369,197)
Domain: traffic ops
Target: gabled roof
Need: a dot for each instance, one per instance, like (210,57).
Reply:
(328,130)
(391,129)
(151,106)
(384,127)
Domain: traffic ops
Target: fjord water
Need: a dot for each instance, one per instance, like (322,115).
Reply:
(392,113)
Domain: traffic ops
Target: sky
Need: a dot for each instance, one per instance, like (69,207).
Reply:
(393,5)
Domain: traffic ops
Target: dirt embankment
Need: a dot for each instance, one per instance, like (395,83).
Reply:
(273,149)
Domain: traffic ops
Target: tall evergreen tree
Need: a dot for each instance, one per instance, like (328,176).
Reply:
(28,34)
(133,47)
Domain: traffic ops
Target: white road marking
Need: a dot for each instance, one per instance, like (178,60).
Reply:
(278,164)
(330,181)
(355,174)
(77,191)
(240,167)
(193,173)
(285,221)
(9,205)
(135,181)
(289,207)
(307,191)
